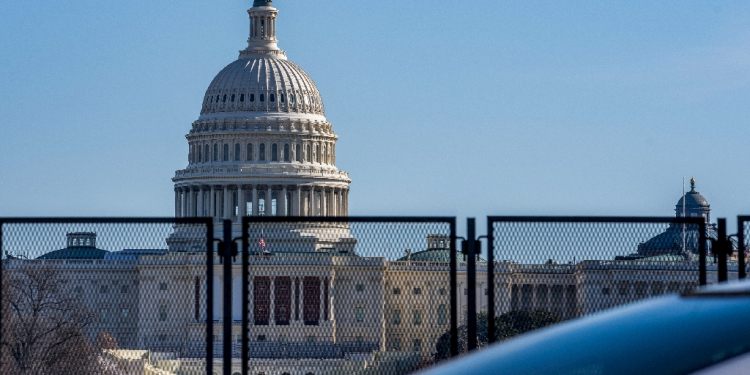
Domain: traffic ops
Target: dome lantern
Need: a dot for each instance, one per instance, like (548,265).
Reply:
(262,27)
(695,205)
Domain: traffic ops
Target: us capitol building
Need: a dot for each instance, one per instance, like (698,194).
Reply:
(262,146)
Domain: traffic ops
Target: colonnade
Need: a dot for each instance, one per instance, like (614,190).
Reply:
(231,202)
(324,312)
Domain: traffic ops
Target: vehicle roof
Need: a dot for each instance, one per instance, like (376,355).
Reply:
(673,334)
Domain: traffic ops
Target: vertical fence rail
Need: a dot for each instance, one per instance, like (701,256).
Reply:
(119,287)
(384,283)
(743,233)
(541,270)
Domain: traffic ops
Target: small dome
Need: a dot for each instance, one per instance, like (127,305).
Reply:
(693,199)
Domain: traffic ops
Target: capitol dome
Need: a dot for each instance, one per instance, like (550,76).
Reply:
(262,84)
(261,145)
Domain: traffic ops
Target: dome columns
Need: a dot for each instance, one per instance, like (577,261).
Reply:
(232,201)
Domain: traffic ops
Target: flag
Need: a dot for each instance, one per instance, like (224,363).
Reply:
(262,243)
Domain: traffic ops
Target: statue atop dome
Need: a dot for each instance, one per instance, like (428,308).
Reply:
(262,3)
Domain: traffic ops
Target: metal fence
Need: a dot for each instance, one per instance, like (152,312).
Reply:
(105,296)
(350,295)
(541,270)
(743,236)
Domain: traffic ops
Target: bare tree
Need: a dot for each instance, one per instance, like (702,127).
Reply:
(43,325)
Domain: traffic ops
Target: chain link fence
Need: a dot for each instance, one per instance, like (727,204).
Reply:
(743,236)
(344,295)
(105,296)
(543,270)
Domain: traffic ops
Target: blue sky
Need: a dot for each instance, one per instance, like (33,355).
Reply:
(442,107)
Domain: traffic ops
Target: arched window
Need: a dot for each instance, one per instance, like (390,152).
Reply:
(242,98)
(249,203)
(216,152)
(218,97)
(206,152)
(291,98)
(262,98)
(249,152)
(317,154)
(224,100)
(262,203)
(252,98)
(226,152)
(286,152)
(274,152)
(211,99)
(200,157)
(232,98)
(442,315)
(262,152)
(281,97)
(298,155)
(307,153)
(272,98)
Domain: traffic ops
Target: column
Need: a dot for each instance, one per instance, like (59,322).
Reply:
(283,201)
(296,199)
(272,311)
(242,200)
(177,202)
(324,202)
(334,203)
(212,202)
(199,210)
(226,201)
(293,304)
(192,205)
(255,200)
(322,316)
(313,203)
(183,203)
(268,200)
(341,202)
(302,298)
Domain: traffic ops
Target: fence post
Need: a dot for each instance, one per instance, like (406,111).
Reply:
(245,296)
(740,248)
(490,282)
(2,267)
(703,253)
(722,248)
(454,287)
(471,281)
(227,300)
(210,298)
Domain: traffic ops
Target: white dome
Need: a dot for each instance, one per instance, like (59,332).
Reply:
(262,84)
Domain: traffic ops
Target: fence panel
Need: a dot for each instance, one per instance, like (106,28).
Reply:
(105,296)
(345,295)
(543,270)
(743,235)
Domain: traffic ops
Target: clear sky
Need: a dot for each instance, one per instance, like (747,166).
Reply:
(443,107)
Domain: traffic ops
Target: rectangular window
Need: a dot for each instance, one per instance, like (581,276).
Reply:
(310,338)
(124,289)
(360,287)
(396,317)
(162,286)
(311,303)
(417,291)
(360,314)
(104,289)
(396,290)
(417,317)
(605,291)
(262,300)
(163,313)
(283,300)
(162,337)
(397,344)
(417,345)
(261,338)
